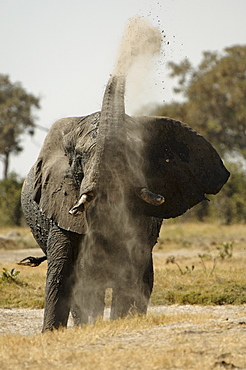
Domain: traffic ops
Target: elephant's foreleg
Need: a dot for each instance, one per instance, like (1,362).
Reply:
(61,256)
(132,295)
(122,302)
(98,302)
(127,301)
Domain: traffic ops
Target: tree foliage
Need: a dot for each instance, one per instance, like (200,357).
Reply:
(16,118)
(214,98)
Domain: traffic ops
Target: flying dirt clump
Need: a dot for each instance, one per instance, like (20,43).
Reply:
(141,41)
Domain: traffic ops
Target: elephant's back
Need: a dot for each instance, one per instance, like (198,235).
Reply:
(35,218)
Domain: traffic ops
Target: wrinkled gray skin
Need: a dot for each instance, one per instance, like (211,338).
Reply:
(96,197)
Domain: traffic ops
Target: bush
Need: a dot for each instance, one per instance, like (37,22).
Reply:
(10,201)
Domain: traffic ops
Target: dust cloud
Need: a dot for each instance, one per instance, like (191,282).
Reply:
(140,46)
(116,251)
(140,43)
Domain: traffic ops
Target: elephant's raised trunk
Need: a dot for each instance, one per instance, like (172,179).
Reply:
(113,106)
(111,134)
(111,138)
(110,130)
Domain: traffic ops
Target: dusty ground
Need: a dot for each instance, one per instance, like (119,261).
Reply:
(28,322)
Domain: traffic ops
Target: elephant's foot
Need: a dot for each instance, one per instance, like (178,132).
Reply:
(56,319)
(125,303)
(88,307)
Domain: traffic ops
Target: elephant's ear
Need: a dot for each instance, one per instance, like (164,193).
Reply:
(180,164)
(56,180)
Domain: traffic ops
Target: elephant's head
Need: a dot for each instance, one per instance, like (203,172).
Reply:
(117,164)
(162,165)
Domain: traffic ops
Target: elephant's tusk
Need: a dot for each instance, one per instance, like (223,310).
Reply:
(82,204)
(149,197)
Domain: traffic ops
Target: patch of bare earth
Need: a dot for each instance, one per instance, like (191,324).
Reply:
(29,321)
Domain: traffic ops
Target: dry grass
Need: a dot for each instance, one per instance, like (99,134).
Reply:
(201,272)
(27,291)
(186,341)
(201,236)
(196,287)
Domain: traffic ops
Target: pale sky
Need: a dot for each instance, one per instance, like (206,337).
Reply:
(64,51)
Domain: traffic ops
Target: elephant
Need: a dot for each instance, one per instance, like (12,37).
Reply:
(96,197)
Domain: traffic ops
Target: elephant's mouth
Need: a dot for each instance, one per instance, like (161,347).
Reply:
(143,193)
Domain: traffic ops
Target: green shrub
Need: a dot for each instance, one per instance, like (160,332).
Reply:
(10,276)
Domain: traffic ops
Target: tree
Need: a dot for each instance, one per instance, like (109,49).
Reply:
(214,98)
(16,118)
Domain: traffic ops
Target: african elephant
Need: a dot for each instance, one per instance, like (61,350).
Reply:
(96,197)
